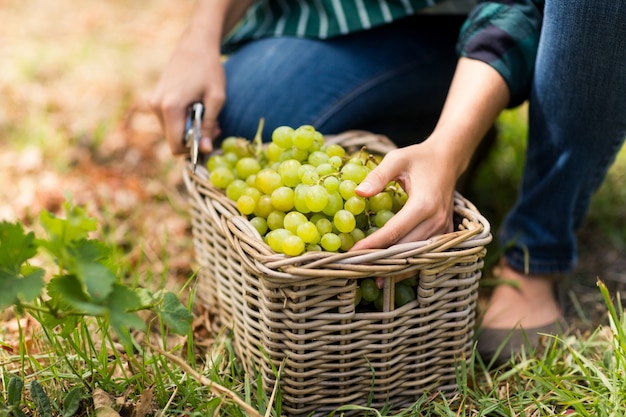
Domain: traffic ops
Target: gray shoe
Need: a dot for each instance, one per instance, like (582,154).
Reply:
(499,346)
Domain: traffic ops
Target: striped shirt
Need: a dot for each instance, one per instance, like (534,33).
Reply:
(505,33)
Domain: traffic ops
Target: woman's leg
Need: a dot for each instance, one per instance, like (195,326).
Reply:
(577,113)
(390,80)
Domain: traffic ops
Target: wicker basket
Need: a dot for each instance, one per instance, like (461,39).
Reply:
(298,314)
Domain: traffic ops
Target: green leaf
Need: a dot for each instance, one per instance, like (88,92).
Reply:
(174,314)
(61,232)
(98,280)
(121,303)
(40,398)
(71,402)
(15,388)
(16,247)
(14,287)
(67,292)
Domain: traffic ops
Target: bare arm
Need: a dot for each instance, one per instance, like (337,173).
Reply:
(428,171)
(195,71)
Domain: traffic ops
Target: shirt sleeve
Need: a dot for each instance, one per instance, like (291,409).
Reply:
(505,35)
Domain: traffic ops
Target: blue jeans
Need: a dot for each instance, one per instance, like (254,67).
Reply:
(577,124)
(390,80)
(393,80)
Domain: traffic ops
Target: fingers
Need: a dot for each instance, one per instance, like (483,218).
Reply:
(213,102)
(416,221)
(378,178)
(171,114)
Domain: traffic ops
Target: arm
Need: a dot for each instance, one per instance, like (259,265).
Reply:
(428,171)
(195,71)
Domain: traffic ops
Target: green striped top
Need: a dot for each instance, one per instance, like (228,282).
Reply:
(502,33)
(327,18)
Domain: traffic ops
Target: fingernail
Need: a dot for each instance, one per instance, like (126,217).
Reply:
(364,187)
(206,145)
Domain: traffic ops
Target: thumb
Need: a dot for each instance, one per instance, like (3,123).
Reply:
(376,180)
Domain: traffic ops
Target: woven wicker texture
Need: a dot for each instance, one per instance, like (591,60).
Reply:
(298,313)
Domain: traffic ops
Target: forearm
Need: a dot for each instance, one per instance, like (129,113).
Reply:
(477,95)
(212,20)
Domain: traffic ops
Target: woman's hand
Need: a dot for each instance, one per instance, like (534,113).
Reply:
(425,175)
(194,73)
(428,171)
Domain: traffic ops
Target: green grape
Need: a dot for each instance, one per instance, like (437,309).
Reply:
(318,142)
(251,180)
(308,174)
(380,201)
(358,295)
(247,166)
(331,183)
(369,289)
(410,281)
(335,149)
(382,217)
(235,188)
(313,248)
(313,218)
(263,206)
(287,155)
(267,180)
(276,220)
(308,233)
(236,145)
(325,169)
(357,234)
(299,198)
(304,137)
(344,221)
(335,203)
(252,192)
(379,302)
(316,198)
(371,230)
(330,242)
(288,171)
(221,176)
(260,224)
(231,158)
(400,198)
(293,245)
(275,239)
(273,152)
(246,204)
(335,161)
(318,157)
(324,226)
(346,189)
(355,204)
(347,241)
(217,160)
(283,136)
(362,221)
(354,171)
(229,144)
(292,220)
(403,294)
(282,198)
(301,155)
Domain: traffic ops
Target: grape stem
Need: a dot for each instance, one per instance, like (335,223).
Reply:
(257,141)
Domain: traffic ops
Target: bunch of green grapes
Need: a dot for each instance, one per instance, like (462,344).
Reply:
(298,191)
